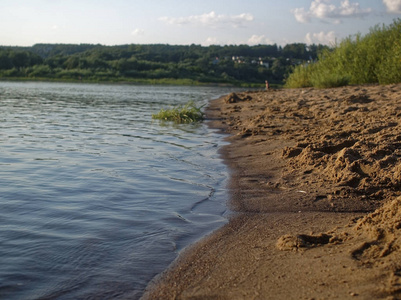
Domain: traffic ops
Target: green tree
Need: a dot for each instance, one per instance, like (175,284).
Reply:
(5,61)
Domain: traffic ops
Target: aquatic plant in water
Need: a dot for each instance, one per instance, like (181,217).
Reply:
(187,113)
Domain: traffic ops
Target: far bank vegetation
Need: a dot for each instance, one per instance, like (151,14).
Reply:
(156,63)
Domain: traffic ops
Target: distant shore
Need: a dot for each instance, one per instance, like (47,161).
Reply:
(116,81)
(168,81)
(315,187)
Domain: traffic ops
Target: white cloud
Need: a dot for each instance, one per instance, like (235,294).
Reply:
(393,6)
(326,11)
(210,41)
(211,20)
(328,38)
(138,31)
(301,15)
(259,40)
(322,9)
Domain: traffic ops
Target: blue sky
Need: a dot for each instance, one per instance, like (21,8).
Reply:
(183,22)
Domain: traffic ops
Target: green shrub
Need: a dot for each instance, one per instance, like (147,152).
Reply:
(300,77)
(329,80)
(187,113)
(389,71)
(373,58)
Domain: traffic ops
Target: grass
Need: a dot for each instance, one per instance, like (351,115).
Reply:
(373,58)
(187,113)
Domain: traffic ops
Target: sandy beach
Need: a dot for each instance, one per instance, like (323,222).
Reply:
(315,194)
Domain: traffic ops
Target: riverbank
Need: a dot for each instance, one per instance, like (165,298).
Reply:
(308,169)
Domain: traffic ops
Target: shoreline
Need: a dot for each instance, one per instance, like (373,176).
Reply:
(307,169)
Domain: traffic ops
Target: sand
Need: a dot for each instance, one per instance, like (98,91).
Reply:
(315,194)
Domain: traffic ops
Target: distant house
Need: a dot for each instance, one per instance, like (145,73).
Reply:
(265,64)
(238,59)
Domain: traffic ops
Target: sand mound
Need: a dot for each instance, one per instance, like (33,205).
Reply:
(380,230)
(383,234)
(234,98)
(302,241)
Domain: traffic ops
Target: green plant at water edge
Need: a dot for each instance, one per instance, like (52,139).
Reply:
(187,113)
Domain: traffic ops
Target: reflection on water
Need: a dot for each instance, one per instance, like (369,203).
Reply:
(96,197)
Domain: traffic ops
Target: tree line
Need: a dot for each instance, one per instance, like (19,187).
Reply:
(234,64)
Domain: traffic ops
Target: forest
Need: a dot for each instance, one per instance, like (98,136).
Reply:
(156,63)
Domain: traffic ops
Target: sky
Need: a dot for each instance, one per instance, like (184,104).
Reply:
(185,22)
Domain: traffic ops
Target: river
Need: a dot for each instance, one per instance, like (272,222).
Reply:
(96,198)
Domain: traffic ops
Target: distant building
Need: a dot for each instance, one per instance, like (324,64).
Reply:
(238,59)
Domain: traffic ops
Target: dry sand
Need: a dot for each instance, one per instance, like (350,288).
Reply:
(316,177)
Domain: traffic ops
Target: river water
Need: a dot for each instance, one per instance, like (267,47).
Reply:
(96,198)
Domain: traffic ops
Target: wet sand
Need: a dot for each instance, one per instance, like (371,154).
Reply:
(315,186)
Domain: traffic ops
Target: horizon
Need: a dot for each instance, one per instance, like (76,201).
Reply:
(150,44)
(177,22)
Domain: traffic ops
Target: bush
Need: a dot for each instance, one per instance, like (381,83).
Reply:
(300,77)
(374,58)
(328,79)
(389,71)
